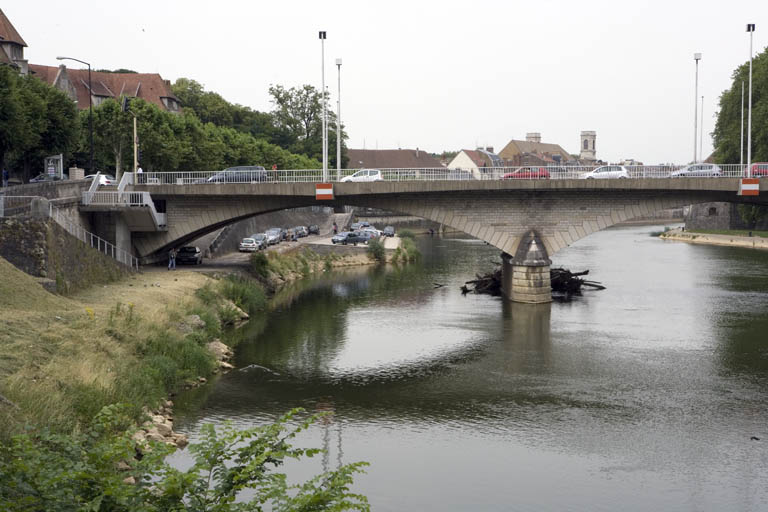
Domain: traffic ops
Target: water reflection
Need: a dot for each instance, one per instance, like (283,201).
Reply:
(639,397)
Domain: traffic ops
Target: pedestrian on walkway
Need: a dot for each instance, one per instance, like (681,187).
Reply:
(172,259)
(335,228)
(5,177)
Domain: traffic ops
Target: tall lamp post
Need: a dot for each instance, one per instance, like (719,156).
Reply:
(701,132)
(325,119)
(741,144)
(338,123)
(751,30)
(90,104)
(697,58)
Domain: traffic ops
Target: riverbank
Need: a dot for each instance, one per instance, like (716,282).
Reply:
(732,240)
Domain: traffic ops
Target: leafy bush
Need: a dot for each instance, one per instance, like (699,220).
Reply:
(259,264)
(247,294)
(80,471)
(406,233)
(376,251)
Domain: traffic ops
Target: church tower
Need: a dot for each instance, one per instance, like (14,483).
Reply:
(587,152)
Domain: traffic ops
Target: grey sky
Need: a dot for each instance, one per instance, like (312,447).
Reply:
(438,75)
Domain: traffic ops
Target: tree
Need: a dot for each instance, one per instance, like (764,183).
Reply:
(81,471)
(751,214)
(298,122)
(727,133)
(10,118)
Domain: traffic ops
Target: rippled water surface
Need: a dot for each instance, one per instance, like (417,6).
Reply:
(643,396)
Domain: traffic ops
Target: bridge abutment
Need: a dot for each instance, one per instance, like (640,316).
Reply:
(525,276)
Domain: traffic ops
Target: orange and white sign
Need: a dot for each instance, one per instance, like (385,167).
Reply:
(324,191)
(749,187)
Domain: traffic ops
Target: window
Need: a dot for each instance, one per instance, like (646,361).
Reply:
(593,144)
(586,144)
(712,211)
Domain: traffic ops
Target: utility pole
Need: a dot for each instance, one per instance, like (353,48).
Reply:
(697,58)
(701,132)
(751,30)
(741,146)
(325,119)
(338,124)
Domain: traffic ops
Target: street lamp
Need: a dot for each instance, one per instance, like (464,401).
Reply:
(701,131)
(697,58)
(90,103)
(751,30)
(338,124)
(325,119)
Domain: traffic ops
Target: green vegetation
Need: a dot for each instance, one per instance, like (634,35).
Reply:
(376,251)
(751,214)
(406,233)
(727,134)
(732,232)
(36,121)
(407,252)
(659,233)
(285,265)
(246,293)
(82,471)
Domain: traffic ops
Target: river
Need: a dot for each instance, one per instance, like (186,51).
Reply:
(643,396)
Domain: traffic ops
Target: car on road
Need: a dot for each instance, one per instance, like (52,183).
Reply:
(760,170)
(698,171)
(260,239)
(364,175)
(388,231)
(240,174)
(248,245)
(104,179)
(527,173)
(41,178)
(189,254)
(369,234)
(274,236)
(301,231)
(314,229)
(349,237)
(606,172)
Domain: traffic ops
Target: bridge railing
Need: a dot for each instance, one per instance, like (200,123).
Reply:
(553,172)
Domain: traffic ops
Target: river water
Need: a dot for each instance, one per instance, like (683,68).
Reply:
(643,396)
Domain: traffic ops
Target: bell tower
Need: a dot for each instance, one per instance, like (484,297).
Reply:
(587,147)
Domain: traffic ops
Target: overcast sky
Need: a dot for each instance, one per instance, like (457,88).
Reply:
(438,75)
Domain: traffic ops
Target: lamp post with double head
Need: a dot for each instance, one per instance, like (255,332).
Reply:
(90,105)
(325,119)
(751,30)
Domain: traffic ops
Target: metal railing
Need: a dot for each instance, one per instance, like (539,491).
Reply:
(553,172)
(94,241)
(122,199)
(16,206)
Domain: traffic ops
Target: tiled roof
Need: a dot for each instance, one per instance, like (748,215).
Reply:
(477,157)
(524,146)
(7,32)
(147,86)
(390,159)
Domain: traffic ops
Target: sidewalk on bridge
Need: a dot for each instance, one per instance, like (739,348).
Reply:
(750,242)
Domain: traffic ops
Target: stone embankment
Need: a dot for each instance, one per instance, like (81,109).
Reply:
(751,242)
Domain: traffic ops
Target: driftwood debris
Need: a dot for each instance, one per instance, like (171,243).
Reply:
(564,282)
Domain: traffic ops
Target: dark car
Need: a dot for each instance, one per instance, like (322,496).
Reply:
(190,254)
(40,178)
(388,231)
(349,237)
(314,229)
(240,174)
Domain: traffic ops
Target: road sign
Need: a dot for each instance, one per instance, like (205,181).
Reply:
(749,187)
(324,191)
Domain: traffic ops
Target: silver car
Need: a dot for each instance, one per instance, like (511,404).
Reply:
(698,170)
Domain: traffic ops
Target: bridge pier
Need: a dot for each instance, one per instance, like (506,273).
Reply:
(525,277)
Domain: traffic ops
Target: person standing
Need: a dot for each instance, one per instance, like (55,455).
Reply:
(5,177)
(139,171)
(172,259)
(335,228)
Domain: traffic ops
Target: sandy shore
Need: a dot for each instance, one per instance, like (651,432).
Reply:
(754,242)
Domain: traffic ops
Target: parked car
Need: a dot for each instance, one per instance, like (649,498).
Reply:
(369,234)
(355,226)
(760,170)
(274,236)
(190,254)
(314,229)
(248,245)
(605,172)
(240,174)
(260,239)
(104,179)
(388,231)
(527,173)
(301,231)
(698,171)
(40,178)
(349,237)
(364,175)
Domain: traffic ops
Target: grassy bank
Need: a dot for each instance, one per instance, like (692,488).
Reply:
(730,232)
(133,342)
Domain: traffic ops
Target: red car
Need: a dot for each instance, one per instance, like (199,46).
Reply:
(528,173)
(760,170)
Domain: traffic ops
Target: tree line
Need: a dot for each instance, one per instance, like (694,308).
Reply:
(210,133)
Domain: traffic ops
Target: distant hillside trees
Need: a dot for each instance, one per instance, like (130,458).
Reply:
(727,134)
(36,120)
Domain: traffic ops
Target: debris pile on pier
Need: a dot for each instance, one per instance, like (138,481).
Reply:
(564,283)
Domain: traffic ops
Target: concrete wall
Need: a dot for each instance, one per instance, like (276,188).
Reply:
(718,216)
